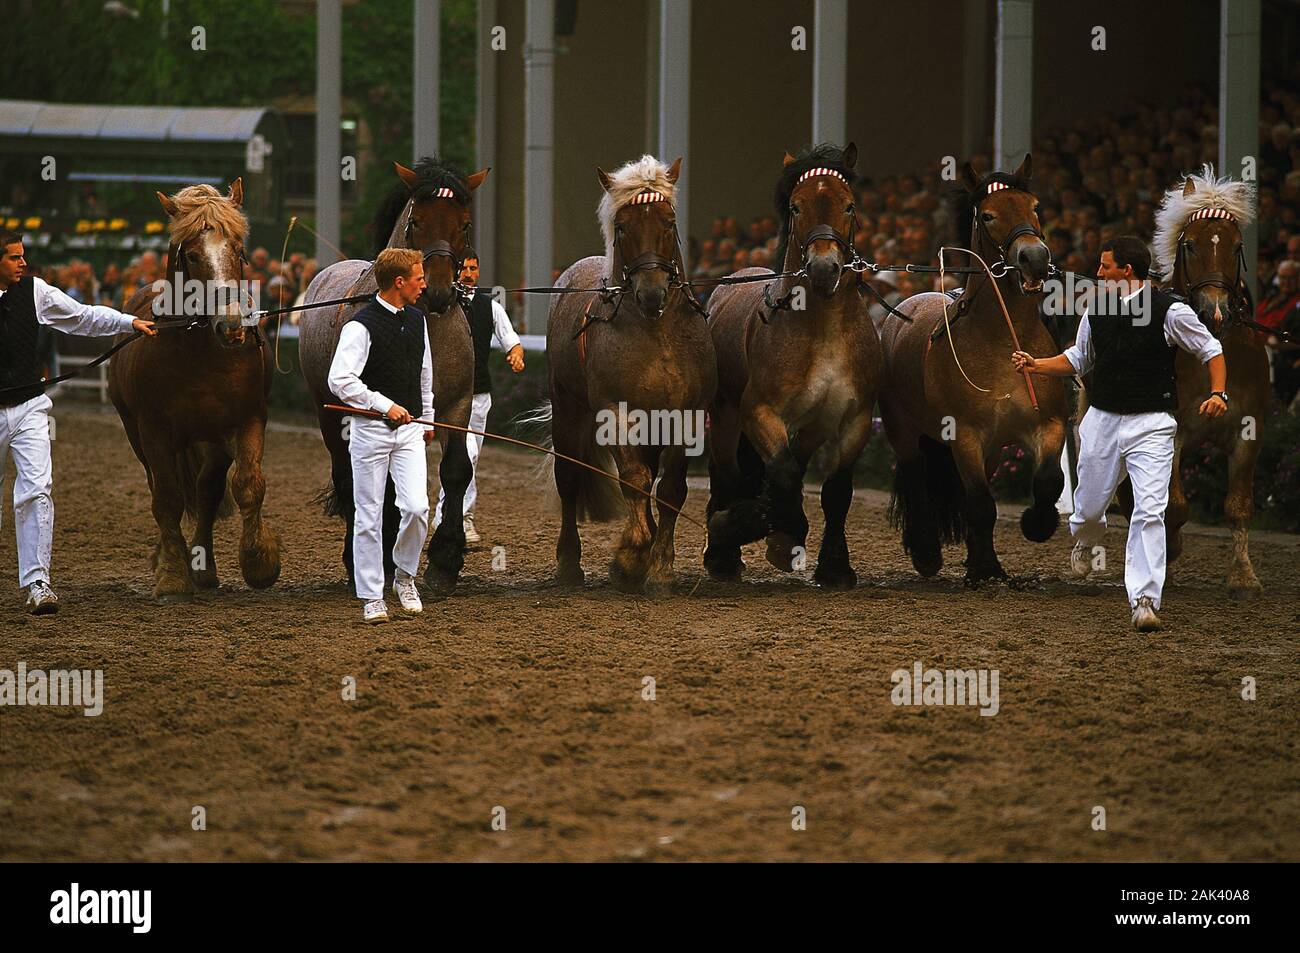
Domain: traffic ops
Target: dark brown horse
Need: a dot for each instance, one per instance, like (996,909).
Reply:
(428,210)
(1199,248)
(192,401)
(952,399)
(640,354)
(798,367)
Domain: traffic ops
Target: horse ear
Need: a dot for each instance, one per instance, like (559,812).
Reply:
(1026,170)
(787,160)
(237,191)
(406,175)
(969,178)
(168,205)
(851,155)
(476,179)
(1189,186)
(604,178)
(675,170)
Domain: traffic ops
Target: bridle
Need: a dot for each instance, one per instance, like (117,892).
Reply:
(176,264)
(440,247)
(1004,247)
(677,280)
(822,232)
(1239,302)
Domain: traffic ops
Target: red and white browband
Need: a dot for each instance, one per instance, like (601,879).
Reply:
(1211,213)
(444,193)
(997,187)
(822,170)
(646,196)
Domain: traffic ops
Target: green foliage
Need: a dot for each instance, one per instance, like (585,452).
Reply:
(1277,476)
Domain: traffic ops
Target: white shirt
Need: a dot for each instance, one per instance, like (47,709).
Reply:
(350,360)
(1182,329)
(503,332)
(56,309)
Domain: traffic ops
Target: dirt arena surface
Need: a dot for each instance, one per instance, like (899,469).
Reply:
(770,694)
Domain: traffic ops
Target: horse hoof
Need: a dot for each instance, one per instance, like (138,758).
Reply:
(781,551)
(172,598)
(980,574)
(660,586)
(1245,592)
(927,566)
(440,584)
(260,565)
(205,580)
(623,581)
(570,576)
(838,580)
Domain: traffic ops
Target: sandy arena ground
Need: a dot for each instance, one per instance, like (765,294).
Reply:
(770,695)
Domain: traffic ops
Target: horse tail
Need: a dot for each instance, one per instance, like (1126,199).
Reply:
(947,495)
(327,498)
(189,464)
(928,504)
(600,499)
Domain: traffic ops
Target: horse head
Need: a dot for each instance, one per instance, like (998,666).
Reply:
(1208,264)
(815,202)
(1004,223)
(640,223)
(438,225)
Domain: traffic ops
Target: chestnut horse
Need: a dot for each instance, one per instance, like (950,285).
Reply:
(641,350)
(1199,250)
(193,401)
(798,367)
(951,398)
(429,209)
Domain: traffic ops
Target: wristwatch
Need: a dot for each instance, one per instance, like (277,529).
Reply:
(1222,395)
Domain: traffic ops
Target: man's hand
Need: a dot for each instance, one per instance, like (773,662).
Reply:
(398,414)
(1214,407)
(516,358)
(144,326)
(428,435)
(1023,361)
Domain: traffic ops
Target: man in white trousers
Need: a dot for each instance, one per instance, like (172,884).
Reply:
(26,302)
(488,324)
(383,363)
(1129,427)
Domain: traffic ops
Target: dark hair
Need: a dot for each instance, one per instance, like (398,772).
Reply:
(1129,250)
(9,237)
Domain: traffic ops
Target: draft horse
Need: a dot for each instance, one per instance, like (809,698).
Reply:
(951,398)
(192,401)
(641,348)
(798,367)
(429,210)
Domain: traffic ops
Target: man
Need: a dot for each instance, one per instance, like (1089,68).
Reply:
(488,324)
(26,303)
(383,363)
(1279,311)
(1129,426)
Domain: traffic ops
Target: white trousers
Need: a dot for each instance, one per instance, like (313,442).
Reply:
(378,451)
(478,416)
(1141,445)
(25,433)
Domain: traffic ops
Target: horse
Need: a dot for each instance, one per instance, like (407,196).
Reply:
(638,351)
(193,401)
(429,210)
(946,428)
(798,368)
(1199,250)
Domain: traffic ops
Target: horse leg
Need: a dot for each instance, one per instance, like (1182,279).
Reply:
(391,522)
(980,511)
(834,571)
(259,545)
(631,562)
(211,487)
(782,495)
(1239,507)
(734,514)
(1178,511)
(568,483)
(671,492)
(1040,521)
(172,582)
(447,544)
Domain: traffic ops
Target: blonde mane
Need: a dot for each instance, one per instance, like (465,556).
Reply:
(625,183)
(1236,198)
(200,207)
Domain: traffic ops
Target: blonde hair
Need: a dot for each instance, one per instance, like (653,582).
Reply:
(394,263)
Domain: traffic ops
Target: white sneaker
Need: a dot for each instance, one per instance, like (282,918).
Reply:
(41,599)
(407,594)
(376,611)
(1144,615)
(1080,560)
(471,534)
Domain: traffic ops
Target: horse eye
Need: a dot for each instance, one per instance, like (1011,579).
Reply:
(794,209)
(987,216)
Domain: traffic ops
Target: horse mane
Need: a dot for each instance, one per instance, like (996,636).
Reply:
(625,182)
(200,207)
(822,154)
(1236,198)
(432,174)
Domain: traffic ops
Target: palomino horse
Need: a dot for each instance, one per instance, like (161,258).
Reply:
(428,210)
(193,401)
(951,398)
(1199,250)
(797,368)
(641,351)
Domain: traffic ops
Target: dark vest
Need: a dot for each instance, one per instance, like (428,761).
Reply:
(19,335)
(480,329)
(396,354)
(1133,372)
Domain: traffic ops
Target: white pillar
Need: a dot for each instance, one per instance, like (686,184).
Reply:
(425,101)
(1014,95)
(485,134)
(329,70)
(830,70)
(675,99)
(539,156)
(974,69)
(1239,104)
